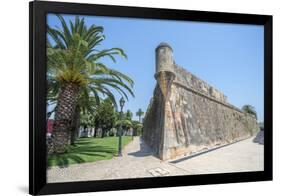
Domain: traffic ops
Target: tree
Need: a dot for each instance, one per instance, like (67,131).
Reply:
(86,105)
(250,110)
(87,121)
(105,117)
(128,115)
(75,125)
(137,126)
(126,124)
(73,66)
(139,113)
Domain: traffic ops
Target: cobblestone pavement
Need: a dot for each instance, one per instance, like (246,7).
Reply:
(138,161)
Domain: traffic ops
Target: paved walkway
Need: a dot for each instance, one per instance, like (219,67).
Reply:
(138,161)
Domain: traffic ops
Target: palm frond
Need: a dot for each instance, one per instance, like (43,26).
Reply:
(66,32)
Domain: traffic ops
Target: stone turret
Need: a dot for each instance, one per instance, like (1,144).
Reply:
(164,67)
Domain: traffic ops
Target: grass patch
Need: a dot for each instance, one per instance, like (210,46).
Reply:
(88,150)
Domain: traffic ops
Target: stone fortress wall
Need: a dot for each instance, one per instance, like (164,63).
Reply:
(186,115)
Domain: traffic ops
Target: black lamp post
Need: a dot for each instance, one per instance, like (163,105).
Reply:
(122,103)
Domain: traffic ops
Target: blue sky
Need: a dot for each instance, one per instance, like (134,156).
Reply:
(227,56)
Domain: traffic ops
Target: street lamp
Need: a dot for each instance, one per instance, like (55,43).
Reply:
(122,103)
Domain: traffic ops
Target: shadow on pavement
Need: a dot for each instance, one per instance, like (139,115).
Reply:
(259,138)
(145,150)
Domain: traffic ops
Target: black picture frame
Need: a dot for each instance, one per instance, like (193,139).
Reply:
(37,97)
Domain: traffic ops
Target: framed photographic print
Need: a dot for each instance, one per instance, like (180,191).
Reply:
(131,97)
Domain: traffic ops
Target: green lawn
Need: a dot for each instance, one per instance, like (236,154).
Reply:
(89,150)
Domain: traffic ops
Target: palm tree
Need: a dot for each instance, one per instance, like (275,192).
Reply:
(86,105)
(73,66)
(250,110)
(139,113)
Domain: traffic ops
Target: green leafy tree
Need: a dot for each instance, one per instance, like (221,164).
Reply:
(87,121)
(86,106)
(128,115)
(137,126)
(139,113)
(250,110)
(105,117)
(74,66)
(126,124)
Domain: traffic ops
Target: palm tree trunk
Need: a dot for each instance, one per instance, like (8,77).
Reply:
(102,133)
(72,136)
(77,128)
(75,124)
(85,130)
(96,130)
(65,111)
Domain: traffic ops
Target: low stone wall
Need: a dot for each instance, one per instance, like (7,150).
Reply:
(193,118)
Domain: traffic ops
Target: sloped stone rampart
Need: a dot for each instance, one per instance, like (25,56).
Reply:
(192,117)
